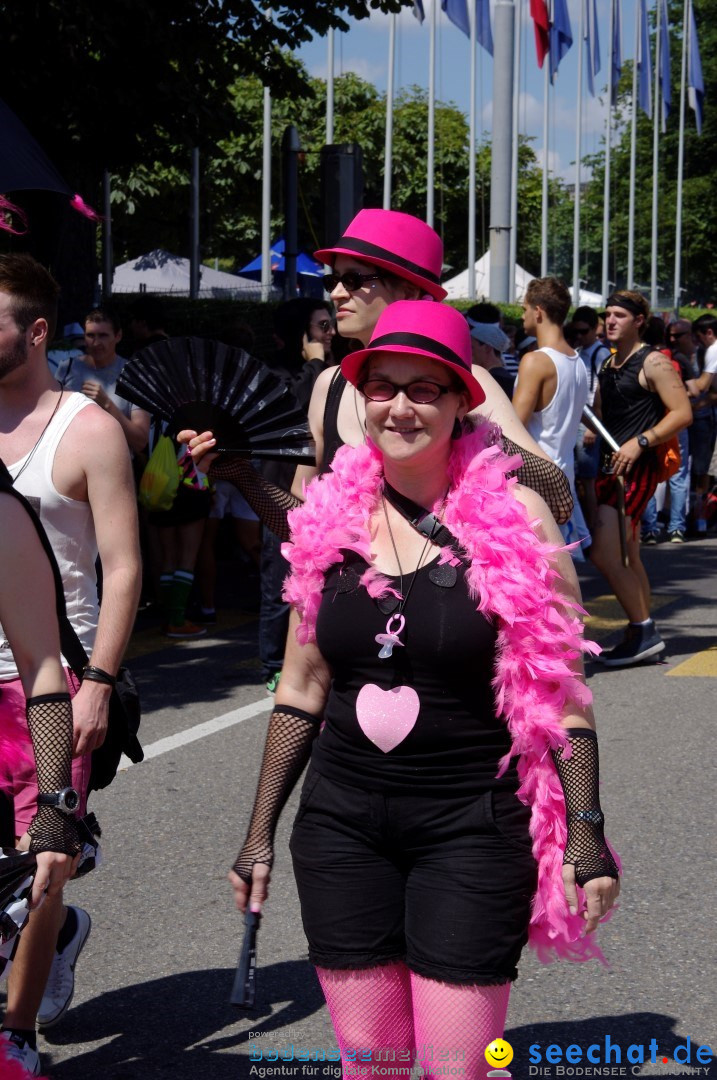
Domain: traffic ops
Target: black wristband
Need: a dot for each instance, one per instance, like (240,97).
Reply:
(97,674)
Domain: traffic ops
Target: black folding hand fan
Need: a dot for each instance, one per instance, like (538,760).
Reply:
(208,386)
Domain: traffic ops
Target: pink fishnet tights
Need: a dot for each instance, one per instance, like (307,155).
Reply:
(399,1015)
(454,1024)
(371,1010)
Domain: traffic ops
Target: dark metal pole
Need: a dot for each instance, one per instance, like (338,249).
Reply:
(107,259)
(291,148)
(194,244)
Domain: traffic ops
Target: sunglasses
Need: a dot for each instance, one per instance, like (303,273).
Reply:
(420,391)
(351,280)
(581,330)
(325,325)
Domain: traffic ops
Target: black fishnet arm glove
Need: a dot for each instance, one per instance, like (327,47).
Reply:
(269,502)
(49,720)
(579,774)
(288,747)
(545,477)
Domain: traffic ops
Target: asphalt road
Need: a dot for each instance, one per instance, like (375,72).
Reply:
(153,982)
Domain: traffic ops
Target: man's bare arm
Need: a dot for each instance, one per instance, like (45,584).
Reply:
(110,492)
(534,369)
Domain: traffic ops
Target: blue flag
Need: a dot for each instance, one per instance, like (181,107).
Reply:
(644,63)
(561,35)
(592,43)
(695,82)
(483,30)
(418,10)
(664,62)
(616,51)
(457,12)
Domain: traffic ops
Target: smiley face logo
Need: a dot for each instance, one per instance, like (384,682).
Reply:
(499,1053)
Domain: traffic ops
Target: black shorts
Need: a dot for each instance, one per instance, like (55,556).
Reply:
(444,884)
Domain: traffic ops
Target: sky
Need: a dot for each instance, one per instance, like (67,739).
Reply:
(364,50)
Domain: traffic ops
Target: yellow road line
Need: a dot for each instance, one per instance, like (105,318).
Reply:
(606,615)
(702,664)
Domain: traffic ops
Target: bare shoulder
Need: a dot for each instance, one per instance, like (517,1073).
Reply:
(94,431)
(322,384)
(537,361)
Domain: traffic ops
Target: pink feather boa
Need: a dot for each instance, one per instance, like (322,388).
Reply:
(513,578)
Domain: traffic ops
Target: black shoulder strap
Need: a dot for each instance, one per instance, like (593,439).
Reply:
(69,642)
(423,520)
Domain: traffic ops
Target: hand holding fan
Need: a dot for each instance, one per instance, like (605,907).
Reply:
(208,386)
(244,988)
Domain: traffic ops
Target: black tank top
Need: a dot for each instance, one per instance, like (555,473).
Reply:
(627,408)
(332,439)
(445,668)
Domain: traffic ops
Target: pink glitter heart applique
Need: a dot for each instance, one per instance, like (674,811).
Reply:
(387,716)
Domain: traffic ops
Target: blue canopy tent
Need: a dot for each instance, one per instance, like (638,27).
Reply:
(308,270)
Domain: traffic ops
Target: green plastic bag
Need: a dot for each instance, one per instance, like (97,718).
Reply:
(160,479)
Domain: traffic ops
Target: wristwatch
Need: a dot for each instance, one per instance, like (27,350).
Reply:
(643,442)
(67,800)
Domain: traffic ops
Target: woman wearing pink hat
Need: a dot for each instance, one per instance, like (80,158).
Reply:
(450,811)
(383,256)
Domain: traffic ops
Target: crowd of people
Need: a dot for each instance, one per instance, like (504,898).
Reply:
(456,474)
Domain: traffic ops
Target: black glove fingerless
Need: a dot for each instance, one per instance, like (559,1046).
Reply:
(579,774)
(288,747)
(49,721)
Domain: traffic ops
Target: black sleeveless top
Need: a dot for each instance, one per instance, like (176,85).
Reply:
(332,439)
(627,408)
(426,717)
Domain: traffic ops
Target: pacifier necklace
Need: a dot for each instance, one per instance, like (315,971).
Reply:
(397,621)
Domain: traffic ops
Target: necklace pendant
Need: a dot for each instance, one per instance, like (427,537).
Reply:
(390,638)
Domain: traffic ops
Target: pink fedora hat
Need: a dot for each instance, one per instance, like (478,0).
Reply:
(397,242)
(435,331)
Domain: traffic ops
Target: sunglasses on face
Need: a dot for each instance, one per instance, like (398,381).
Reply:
(325,325)
(581,330)
(420,391)
(351,280)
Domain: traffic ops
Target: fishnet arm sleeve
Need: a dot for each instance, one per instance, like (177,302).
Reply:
(288,746)
(49,720)
(545,477)
(270,503)
(579,774)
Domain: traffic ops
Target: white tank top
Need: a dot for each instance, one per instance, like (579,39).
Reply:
(70,529)
(555,428)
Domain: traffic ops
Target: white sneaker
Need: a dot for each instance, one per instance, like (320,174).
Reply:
(15,1049)
(61,980)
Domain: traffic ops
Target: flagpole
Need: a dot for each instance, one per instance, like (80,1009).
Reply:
(388,154)
(473,17)
(266,199)
(655,158)
(608,141)
(681,159)
(431,158)
(544,205)
(330,90)
(578,152)
(633,156)
(513,252)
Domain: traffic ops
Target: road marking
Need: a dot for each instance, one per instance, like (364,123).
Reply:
(702,664)
(201,731)
(606,615)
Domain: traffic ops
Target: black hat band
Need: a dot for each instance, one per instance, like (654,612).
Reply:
(419,341)
(363,247)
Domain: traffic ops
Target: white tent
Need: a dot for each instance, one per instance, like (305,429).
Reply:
(161,272)
(457,287)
